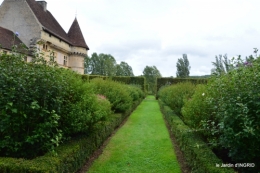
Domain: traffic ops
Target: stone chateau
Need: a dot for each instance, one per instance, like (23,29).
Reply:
(36,27)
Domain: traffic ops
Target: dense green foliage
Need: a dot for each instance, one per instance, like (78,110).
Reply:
(196,108)
(120,95)
(106,65)
(123,69)
(43,105)
(162,81)
(174,95)
(151,73)
(32,98)
(221,65)
(235,122)
(197,153)
(71,156)
(101,64)
(183,67)
(225,112)
(139,82)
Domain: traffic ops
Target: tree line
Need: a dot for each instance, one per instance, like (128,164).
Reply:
(106,65)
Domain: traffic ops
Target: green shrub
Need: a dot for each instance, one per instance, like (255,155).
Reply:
(237,106)
(30,100)
(41,106)
(196,108)
(71,155)
(117,93)
(129,80)
(163,81)
(135,92)
(174,95)
(199,156)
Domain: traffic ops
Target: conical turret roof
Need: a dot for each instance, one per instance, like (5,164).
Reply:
(76,36)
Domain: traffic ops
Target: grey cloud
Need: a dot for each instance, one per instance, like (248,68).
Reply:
(126,48)
(189,49)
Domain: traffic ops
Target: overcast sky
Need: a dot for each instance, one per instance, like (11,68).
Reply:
(158,32)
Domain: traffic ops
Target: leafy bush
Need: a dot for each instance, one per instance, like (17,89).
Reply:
(71,156)
(129,80)
(42,105)
(196,108)
(174,95)
(117,93)
(103,109)
(197,153)
(135,92)
(162,81)
(236,97)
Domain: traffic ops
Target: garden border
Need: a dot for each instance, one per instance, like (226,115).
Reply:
(71,155)
(199,156)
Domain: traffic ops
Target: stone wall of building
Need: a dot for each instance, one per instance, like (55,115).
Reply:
(17,16)
(76,63)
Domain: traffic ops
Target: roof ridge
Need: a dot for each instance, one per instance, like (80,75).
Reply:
(48,21)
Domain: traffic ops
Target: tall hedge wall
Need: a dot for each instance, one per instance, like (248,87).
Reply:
(169,81)
(130,80)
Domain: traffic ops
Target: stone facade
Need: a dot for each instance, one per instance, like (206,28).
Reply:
(38,29)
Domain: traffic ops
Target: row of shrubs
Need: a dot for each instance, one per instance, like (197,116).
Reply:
(224,112)
(163,81)
(72,155)
(138,81)
(198,155)
(43,105)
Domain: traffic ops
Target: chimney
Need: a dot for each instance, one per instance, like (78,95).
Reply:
(43,4)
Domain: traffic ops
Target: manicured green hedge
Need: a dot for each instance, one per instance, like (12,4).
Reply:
(199,156)
(130,80)
(42,105)
(89,77)
(72,155)
(170,81)
(174,95)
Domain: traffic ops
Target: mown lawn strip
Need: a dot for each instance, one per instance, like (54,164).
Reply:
(142,145)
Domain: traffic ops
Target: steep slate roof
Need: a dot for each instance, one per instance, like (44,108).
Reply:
(76,36)
(8,39)
(51,25)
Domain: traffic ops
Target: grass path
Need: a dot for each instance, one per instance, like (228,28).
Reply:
(142,145)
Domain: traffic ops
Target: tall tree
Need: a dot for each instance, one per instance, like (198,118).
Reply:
(109,65)
(151,73)
(183,67)
(123,69)
(222,65)
(87,69)
(102,64)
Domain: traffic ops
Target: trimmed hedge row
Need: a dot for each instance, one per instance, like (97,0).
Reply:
(170,81)
(174,95)
(72,155)
(199,156)
(87,78)
(130,80)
